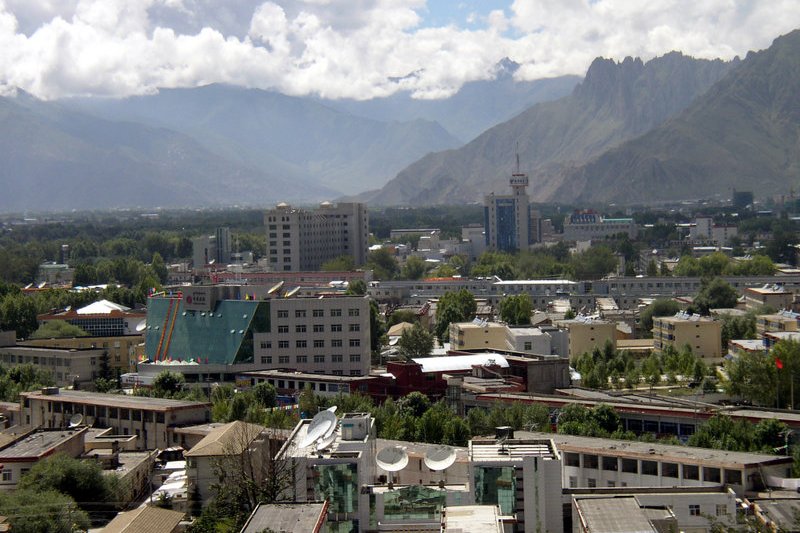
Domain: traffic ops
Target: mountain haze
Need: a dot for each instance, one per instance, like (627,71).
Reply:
(744,133)
(56,158)
(614,103)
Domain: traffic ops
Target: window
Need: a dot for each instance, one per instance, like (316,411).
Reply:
(337,372)
(722,509)
(302,359)
(336,312)
(6,475)
(355,343)
(610,463)
(283,313)
(733,477)
(694,510)
(611,484)
(591,483)
(336,343)
(319,328)
(352,312)
(355,372)
(318,343)
(283,359)
(691,472)
(649,468)
(283,344)
(589,461)
(317,313)
(283,329)
(573,481)
(355,327)
(336,327)
(300,344)
(711,474)
(319,358)
(669,470)
(300,328)
(266,360)
(572,459)
(300,313)
(355,358)
(336,358)
(528,346)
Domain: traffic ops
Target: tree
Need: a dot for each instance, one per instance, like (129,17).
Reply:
(594,263)
(382,263)
(415,342)
(265,395)
(414,268)
(83,481)
(737,327)
(343,263)
(660,307)
(42,511)
(377,329)
(652,268)
(715,294)
(516,310)
(453,306)
(167,383)
(58,329)
(402,315)
(356,287)
(159,267)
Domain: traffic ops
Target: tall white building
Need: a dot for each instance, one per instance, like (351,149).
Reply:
(302,240)
(510,222)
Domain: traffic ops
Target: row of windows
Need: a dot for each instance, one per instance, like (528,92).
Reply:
(651,468)
(303,359)
(317,343)
(102,411)
(319,328)
(317,313)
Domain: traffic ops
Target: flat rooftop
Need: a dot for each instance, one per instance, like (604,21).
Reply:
(613,515)
(472,519)
(286,374)
(656,452)
(37,444)
(511,449)
(306,517)
(123,401)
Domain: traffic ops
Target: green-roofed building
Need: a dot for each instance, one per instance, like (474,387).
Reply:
(220,333)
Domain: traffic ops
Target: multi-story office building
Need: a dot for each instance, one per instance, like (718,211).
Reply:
(215,248)
(99,319)
(588,333)
(299,239)
(67,366)
(220,325)
(121,350)
(588,225)
(152,420)
(510,222)
(702,334)
(780,321)
(775,296)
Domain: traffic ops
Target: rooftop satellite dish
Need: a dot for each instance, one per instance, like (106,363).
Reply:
(440,457)
(324,442)
(141,325)
(76,420)
(332,409)
(392,458)
(319,427)
(275,288)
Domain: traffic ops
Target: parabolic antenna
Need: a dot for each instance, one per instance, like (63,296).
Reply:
(318,428)
(141,325)
(392,458)
(324,442)
(440,457)
(332,409)
(76,420)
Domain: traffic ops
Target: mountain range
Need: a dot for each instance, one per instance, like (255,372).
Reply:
(670,129)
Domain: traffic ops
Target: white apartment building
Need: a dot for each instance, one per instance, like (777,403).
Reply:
(316,335)
(302,240)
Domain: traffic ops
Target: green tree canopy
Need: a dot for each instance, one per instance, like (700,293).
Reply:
(83,481)
(42,511)
(382,263)
(516,310)
(58,329)
(715,294)
(594,263)
(168,383)
(343,263)
(454,306)
(414,268)
(660,307)
(415,342)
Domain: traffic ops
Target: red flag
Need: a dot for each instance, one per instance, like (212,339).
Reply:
(778,363)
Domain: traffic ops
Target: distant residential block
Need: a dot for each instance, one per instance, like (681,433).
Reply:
(702,334)
(588,225)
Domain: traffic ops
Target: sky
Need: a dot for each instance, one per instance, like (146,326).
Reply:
(358,49)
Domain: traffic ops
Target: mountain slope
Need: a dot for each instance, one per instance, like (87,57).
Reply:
(614,103)
(295,137)
(744,133)
(55,158)
(478,106)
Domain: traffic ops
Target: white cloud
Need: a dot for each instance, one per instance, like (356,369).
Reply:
(351,48)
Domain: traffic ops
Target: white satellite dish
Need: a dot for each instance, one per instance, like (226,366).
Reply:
(332,409)
(141,326)
(319,427)
(440,457)
(392,458)
(324,442)
(76,420)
